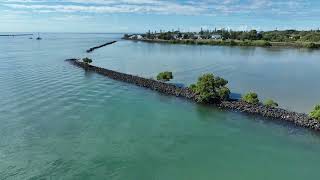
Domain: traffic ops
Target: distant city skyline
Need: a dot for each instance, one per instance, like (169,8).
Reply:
(143,15)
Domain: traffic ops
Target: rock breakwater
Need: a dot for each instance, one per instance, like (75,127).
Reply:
(165,88)
(299,119)
(100,46)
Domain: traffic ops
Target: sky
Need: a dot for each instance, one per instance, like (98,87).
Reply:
(142,15)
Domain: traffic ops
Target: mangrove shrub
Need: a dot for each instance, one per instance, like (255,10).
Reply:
(316,113)
(165,76)
(210,88)
(271,103)
(251,98)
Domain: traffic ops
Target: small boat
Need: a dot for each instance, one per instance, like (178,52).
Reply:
(39,38)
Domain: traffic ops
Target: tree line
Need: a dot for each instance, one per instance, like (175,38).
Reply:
(273,36)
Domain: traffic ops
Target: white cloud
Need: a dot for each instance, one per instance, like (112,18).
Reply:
(191,7)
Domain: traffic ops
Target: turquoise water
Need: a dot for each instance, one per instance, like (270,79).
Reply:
(59,122)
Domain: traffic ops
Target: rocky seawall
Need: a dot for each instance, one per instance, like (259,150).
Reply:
(165,88)
(299,119)
(100,46)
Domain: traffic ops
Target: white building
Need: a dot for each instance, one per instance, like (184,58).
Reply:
(136,37)
(216,36)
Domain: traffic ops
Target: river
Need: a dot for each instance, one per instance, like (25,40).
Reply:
(59,122)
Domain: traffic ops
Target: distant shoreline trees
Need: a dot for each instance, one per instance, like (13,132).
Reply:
(306,39)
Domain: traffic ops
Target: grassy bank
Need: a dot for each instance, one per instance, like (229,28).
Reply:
(254,43)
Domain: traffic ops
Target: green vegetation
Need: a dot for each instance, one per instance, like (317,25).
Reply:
(315,113)
(261,43)
(271,103)
(251,98)
(165,76)
(193,87)
(311,45)
(210,88)
(87,60)
(305,39)
(291,36)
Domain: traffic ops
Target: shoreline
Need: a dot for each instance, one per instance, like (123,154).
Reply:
(299,119)
(234,43)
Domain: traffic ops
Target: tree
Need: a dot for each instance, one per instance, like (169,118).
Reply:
(270,103)
(251,98)
(165,76)
(225,34)
(233,43)
(87,60)
(224,93)
(210,89)
(252,35)
(315,113)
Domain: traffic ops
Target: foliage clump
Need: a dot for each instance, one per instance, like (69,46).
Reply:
(315,113)
(87,60)
(210,88)
(271,103)
(311,45)
(307,39)
(251,98)
(165,76)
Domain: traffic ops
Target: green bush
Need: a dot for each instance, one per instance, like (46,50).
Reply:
(210,89)
(193,87)
(316,113)
(251,98)
(267,43)
(224,93)
(311,45)
(261,43)
(87,60)
(165,76)
(233,43)
(271,103)
(190,42)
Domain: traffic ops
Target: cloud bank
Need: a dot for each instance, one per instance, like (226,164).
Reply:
(182,7)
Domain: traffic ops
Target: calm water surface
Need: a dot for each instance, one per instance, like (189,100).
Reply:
(59,122)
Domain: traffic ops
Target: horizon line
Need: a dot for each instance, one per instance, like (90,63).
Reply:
(296,29)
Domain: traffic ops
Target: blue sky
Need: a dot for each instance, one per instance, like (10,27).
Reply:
(142,15)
